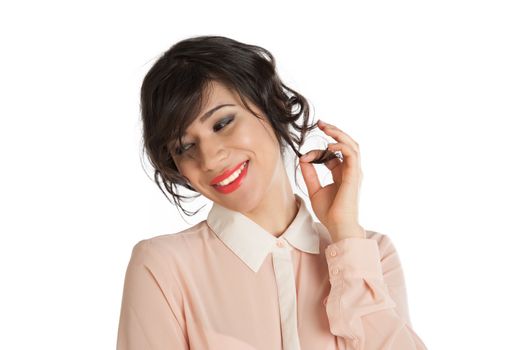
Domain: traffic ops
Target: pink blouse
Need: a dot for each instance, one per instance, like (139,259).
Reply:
(225,283)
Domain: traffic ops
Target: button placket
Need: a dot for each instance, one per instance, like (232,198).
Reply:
(284,273)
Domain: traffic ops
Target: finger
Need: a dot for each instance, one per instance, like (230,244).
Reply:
(310,177)
(339,135)
(331,164)
(351,161)
(335,168)
(319,156)
(311,155)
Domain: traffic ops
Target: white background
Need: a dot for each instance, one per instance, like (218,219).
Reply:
(434,93)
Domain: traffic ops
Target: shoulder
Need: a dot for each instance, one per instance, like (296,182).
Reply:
(384,242)
(169,246)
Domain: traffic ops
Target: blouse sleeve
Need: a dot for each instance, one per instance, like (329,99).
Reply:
(367,305)
(150,318)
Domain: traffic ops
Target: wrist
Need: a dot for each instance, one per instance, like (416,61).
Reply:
(349,232)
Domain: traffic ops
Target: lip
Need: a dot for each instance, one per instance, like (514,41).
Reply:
(234,185)
(226,174)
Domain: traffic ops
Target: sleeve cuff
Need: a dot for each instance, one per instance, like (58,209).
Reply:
(354,258)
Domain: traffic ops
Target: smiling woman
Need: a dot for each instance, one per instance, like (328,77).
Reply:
(219,83)
(216,146)
(259,272)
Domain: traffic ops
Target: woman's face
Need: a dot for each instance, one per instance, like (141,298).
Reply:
(224,141)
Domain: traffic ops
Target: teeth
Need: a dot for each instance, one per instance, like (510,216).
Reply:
(232,177)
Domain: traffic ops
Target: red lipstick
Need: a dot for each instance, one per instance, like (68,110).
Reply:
(234,185)
(226,174)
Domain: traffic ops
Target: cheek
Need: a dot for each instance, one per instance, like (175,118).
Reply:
(257,136)
(245,138)
(185,172)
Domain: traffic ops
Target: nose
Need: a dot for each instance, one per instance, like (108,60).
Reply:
(213,155)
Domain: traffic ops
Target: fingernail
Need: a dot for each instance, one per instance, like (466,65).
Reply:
(321,121)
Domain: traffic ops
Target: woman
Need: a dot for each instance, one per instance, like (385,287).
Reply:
(259,272)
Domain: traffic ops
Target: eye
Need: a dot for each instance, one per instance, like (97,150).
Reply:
(217,127)
(181,150)
(224,122)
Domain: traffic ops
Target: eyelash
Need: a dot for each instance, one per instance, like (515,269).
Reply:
(228,119)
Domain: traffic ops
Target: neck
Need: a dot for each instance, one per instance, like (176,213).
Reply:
(278,207)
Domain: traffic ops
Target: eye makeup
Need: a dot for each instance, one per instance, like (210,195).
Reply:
(180,150)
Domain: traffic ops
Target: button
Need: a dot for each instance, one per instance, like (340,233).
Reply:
(335,270)
(333,253)
(280,243)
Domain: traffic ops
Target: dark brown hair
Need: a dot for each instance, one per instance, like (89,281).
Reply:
(172,95)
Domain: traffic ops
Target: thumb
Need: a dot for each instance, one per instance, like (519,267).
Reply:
(310,177)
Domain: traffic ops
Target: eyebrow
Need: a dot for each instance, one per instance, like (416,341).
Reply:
(208,114)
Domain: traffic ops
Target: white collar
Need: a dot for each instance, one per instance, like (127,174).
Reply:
(251,243)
